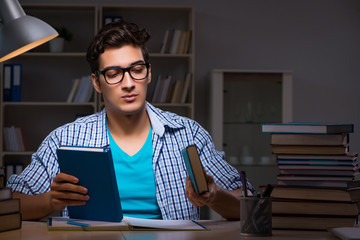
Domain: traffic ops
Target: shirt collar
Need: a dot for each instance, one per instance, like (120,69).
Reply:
(159,120)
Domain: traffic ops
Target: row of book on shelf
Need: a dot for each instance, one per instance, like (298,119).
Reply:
(81,91)
(171,90)
(176,41)
(10,216)
(12,74)
(13,139)
(318,186)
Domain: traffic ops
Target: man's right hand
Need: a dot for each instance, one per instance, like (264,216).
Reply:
(66,192)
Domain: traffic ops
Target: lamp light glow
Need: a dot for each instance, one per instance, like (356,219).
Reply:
(19,32)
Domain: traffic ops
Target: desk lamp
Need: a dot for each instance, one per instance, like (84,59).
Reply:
(19,32)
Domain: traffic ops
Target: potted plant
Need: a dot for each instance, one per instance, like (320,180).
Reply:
(57,44)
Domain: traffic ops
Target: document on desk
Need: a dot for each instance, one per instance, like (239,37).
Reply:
(346,233)
(127,224)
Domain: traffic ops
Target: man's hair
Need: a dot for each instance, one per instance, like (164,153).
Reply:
(116,35)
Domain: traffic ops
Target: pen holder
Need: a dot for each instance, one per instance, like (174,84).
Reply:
(255,216)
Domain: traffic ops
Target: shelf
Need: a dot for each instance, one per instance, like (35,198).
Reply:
(47,104)
(17,153)
(260,97)
(246,123)
(53,54)
(47,77)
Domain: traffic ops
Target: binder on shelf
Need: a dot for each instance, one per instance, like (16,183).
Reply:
(7,82)
(16,86)
(12,82)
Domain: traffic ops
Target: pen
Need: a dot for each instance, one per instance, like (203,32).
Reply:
(77,224)
(243,183)
(267,191)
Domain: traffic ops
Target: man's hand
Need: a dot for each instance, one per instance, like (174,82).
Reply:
(205,198)
(66,192)
(224,202)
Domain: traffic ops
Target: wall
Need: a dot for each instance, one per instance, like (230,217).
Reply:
(318,40)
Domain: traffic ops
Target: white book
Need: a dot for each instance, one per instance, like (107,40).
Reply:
(175,41)
(83,91)
(74,89)
(179,85)
(157,91)
(164,89)
(19,140)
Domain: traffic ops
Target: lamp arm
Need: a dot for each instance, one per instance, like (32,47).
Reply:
(10,10)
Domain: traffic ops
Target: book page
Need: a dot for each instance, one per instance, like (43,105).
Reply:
(163,224)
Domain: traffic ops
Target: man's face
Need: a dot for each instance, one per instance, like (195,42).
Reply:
(128,96)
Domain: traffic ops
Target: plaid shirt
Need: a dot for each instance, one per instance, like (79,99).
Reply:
(171,133)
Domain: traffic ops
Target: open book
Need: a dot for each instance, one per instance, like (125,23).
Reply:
(127,224)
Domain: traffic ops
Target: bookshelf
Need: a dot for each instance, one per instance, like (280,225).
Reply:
(240,101)
(47,77)
(159,19)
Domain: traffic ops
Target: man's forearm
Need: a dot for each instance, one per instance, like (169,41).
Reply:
(34,206)
(227,204)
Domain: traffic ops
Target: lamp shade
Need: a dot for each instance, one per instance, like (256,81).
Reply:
(19,32)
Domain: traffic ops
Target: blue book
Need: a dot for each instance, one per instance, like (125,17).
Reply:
(16,83)
(195,169)
(308,128)
(95,170)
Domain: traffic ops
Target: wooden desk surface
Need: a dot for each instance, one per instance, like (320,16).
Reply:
(219,230)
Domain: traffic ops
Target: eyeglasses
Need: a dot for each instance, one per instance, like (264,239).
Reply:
(114,75)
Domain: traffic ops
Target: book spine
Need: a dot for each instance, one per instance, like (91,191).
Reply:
(189,170)
(16,85)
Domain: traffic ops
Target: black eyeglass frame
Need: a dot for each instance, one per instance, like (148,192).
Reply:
(127,69)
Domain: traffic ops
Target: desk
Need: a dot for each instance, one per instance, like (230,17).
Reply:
(219,230)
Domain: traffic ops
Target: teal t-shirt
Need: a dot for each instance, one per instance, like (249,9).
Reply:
(135,180)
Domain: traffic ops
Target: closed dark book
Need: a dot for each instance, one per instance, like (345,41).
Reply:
(313,193)
(95,170)
(311,222)
(309,139)
(10,221)
(9,206)
(308,128)
(5,193)
(195,169)
(321,150)
(307,207)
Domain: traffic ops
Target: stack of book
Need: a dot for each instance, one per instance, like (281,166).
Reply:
(10,216)
(318,184)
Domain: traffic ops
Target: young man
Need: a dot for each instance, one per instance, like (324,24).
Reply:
(140,137)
